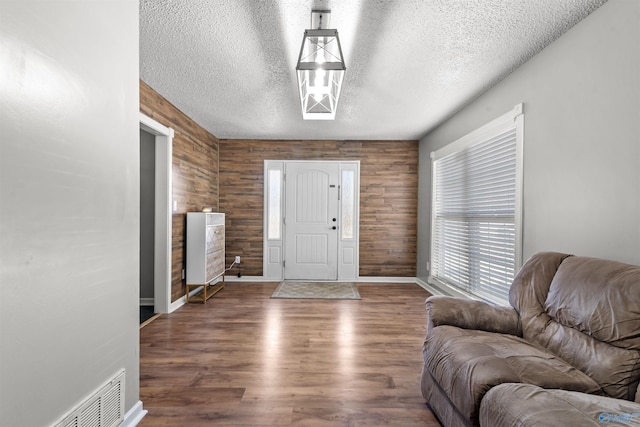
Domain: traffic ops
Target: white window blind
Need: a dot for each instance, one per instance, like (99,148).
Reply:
(475,242)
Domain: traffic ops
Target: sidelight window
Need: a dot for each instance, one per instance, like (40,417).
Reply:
(274,222)
(348,203)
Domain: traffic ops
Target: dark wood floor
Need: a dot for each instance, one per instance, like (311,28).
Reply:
(244,359)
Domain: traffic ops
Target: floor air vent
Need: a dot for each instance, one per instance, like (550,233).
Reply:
(105,408)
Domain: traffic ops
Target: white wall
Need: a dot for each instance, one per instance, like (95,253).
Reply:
(69,208)
(581,143)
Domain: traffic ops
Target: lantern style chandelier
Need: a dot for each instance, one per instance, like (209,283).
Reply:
(320,69)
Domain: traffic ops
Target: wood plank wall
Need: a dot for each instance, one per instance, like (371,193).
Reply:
(388,198)
(195,173)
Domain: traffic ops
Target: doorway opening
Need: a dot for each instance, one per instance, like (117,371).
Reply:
(311,228)
(162,140)
(147,220)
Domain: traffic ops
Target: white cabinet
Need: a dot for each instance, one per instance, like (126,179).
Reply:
(205,254)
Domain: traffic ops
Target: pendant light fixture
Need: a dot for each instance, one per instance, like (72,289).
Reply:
(320,69)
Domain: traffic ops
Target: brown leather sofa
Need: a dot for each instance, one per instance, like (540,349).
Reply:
(571,336)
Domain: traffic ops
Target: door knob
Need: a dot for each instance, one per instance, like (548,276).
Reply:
(334,227)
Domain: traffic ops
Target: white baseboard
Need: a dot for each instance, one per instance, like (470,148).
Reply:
(445,291)
(249,279)
(134,415)
(371,279)
(427,287)
(147,301)
(183,300)
(177,304)
(380,279)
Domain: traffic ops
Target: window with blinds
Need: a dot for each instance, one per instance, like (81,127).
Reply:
(476,226)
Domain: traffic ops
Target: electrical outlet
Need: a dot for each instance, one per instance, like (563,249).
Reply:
(237,259)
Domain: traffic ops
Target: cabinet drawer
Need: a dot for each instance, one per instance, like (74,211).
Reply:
(215,264)
(215,238)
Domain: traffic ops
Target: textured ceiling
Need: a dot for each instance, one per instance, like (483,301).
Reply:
(230,64)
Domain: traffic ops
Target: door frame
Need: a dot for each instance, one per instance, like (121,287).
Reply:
(163,211)
(274,245)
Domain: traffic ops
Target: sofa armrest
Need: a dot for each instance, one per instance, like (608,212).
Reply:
(469,314)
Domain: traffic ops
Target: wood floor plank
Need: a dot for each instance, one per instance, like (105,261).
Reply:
(244,359)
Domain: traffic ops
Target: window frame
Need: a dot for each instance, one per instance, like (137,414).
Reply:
(510,120)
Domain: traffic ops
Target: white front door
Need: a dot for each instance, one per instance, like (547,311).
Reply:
(311,220)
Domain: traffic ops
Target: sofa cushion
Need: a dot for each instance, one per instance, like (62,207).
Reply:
(526,405)
(587,312)
(592,320)
(599,298)
(467,363)
(530,287)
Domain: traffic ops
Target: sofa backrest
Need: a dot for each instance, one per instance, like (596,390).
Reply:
(587,312)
